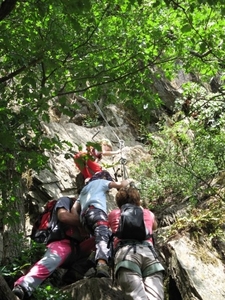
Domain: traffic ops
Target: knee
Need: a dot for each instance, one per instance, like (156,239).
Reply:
(102,233)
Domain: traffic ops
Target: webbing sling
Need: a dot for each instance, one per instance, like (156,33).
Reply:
(128,265)
(155,267)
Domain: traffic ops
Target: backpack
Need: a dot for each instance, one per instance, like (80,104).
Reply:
(46,229)
(131,227)
(131,224)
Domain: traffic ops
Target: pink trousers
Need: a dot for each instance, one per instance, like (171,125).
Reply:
(55,255)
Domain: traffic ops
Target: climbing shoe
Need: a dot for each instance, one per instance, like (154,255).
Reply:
(18,291)
(102,270)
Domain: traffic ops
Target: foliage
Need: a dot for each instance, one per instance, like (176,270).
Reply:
(188,163)
(207,108)
(187,156)
(88,155)
(210,221)
(98,50)
(117,51)
(48,292)
(28,256)
(21,265)
(91,122)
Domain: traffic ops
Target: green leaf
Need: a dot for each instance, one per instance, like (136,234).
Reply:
(186,28)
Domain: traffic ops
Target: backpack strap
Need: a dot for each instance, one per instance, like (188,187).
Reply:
(153,251)
(110,246)
(133,246)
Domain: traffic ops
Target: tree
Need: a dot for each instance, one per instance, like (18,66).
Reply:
(110,51)
(5,292)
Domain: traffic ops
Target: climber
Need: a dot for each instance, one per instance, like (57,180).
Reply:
(88,161)
(58,252)
(138,271)
(91,205)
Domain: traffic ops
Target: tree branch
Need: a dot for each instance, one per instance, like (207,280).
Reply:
(20,70)
(201,55)
(6,7)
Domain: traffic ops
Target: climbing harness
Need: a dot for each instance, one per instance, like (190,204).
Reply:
(122,161)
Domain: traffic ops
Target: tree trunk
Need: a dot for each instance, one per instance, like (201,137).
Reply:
(12,239)
(6,8)
(5,292)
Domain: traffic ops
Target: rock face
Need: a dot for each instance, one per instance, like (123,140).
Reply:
(94,288)
(194,269)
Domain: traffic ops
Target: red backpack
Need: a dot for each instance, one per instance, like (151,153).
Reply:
(43,226)
(47,229)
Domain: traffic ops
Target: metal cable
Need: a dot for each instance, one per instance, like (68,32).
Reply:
(121,143)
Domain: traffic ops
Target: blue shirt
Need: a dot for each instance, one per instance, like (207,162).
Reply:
(94,193)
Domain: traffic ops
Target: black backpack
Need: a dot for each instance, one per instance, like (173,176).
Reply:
(131,224)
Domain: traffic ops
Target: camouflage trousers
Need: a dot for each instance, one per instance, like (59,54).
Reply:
(96,221)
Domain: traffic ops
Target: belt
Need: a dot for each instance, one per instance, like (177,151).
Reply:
(134,242)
